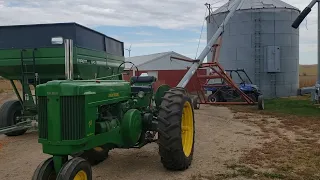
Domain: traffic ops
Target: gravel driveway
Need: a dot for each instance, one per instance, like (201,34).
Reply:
(220,139)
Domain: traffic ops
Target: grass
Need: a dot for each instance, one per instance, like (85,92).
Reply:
(293,106)
(292,148)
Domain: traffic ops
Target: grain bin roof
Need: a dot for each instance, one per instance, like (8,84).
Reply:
(255,4)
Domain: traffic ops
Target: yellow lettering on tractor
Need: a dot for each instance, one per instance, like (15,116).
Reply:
(113,95)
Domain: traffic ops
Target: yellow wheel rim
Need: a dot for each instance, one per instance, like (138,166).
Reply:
(81,175)
(187,129)
(99,149)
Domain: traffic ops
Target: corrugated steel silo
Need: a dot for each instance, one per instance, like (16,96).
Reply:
(259,38)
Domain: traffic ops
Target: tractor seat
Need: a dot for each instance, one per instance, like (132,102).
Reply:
(143,79)
(142,83)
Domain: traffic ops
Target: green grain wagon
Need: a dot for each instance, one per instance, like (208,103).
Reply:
(36,54)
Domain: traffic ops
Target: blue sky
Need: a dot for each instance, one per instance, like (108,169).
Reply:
(147,40)
(151,26)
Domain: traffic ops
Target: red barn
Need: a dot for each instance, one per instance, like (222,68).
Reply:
(166,70)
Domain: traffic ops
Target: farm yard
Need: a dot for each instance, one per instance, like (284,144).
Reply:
(83,110)
(233,143)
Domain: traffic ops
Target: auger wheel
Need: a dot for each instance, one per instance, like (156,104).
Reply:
(176,130)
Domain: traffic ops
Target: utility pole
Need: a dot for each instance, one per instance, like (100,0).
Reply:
(129,49)
(295,25)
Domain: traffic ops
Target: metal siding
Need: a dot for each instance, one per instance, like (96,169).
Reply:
(275,31)
(164,63)
(34,36)
(88,39)
(39,35)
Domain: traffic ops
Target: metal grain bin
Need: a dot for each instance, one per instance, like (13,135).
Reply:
(259,38)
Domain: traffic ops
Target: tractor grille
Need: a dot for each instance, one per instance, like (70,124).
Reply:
(72,117)
(43,117)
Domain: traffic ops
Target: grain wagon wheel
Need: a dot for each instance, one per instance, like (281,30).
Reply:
(9,111)
(176,130)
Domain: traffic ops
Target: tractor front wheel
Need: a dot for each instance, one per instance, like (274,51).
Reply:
(45,171)
(176,130)
(76,168)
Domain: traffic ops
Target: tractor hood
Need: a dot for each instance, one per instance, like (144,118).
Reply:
(111,88)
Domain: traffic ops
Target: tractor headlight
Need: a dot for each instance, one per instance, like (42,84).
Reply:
(140,94)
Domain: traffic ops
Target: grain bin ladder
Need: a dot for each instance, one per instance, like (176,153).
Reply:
(295,25)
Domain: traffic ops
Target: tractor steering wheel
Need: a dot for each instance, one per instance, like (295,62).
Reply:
(133,65)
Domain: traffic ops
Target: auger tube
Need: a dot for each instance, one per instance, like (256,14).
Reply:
(184,81)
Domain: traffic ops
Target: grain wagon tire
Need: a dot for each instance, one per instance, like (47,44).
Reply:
(94,156)
(260,102)
(45,171)
(76,168)
(195,102)
(8,113)
(176,130)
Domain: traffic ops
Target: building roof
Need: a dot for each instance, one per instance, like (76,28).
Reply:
(255,4)
(139,60)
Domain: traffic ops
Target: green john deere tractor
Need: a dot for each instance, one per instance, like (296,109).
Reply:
(81,119)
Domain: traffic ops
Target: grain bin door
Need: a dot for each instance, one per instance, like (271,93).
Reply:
(273,59)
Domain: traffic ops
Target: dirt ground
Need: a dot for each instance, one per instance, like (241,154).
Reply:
(229,145)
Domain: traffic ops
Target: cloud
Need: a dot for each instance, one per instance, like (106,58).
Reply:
(166,14)
(142,33)
(154,44)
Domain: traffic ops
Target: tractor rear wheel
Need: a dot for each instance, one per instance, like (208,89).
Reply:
(45,171)
(76,168)
(176,130)
(95,155)
(9,111)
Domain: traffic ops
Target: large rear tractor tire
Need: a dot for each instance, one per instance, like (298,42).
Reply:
(76,168)
(9,111)
(176,129)
(45,171)
(94,156)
